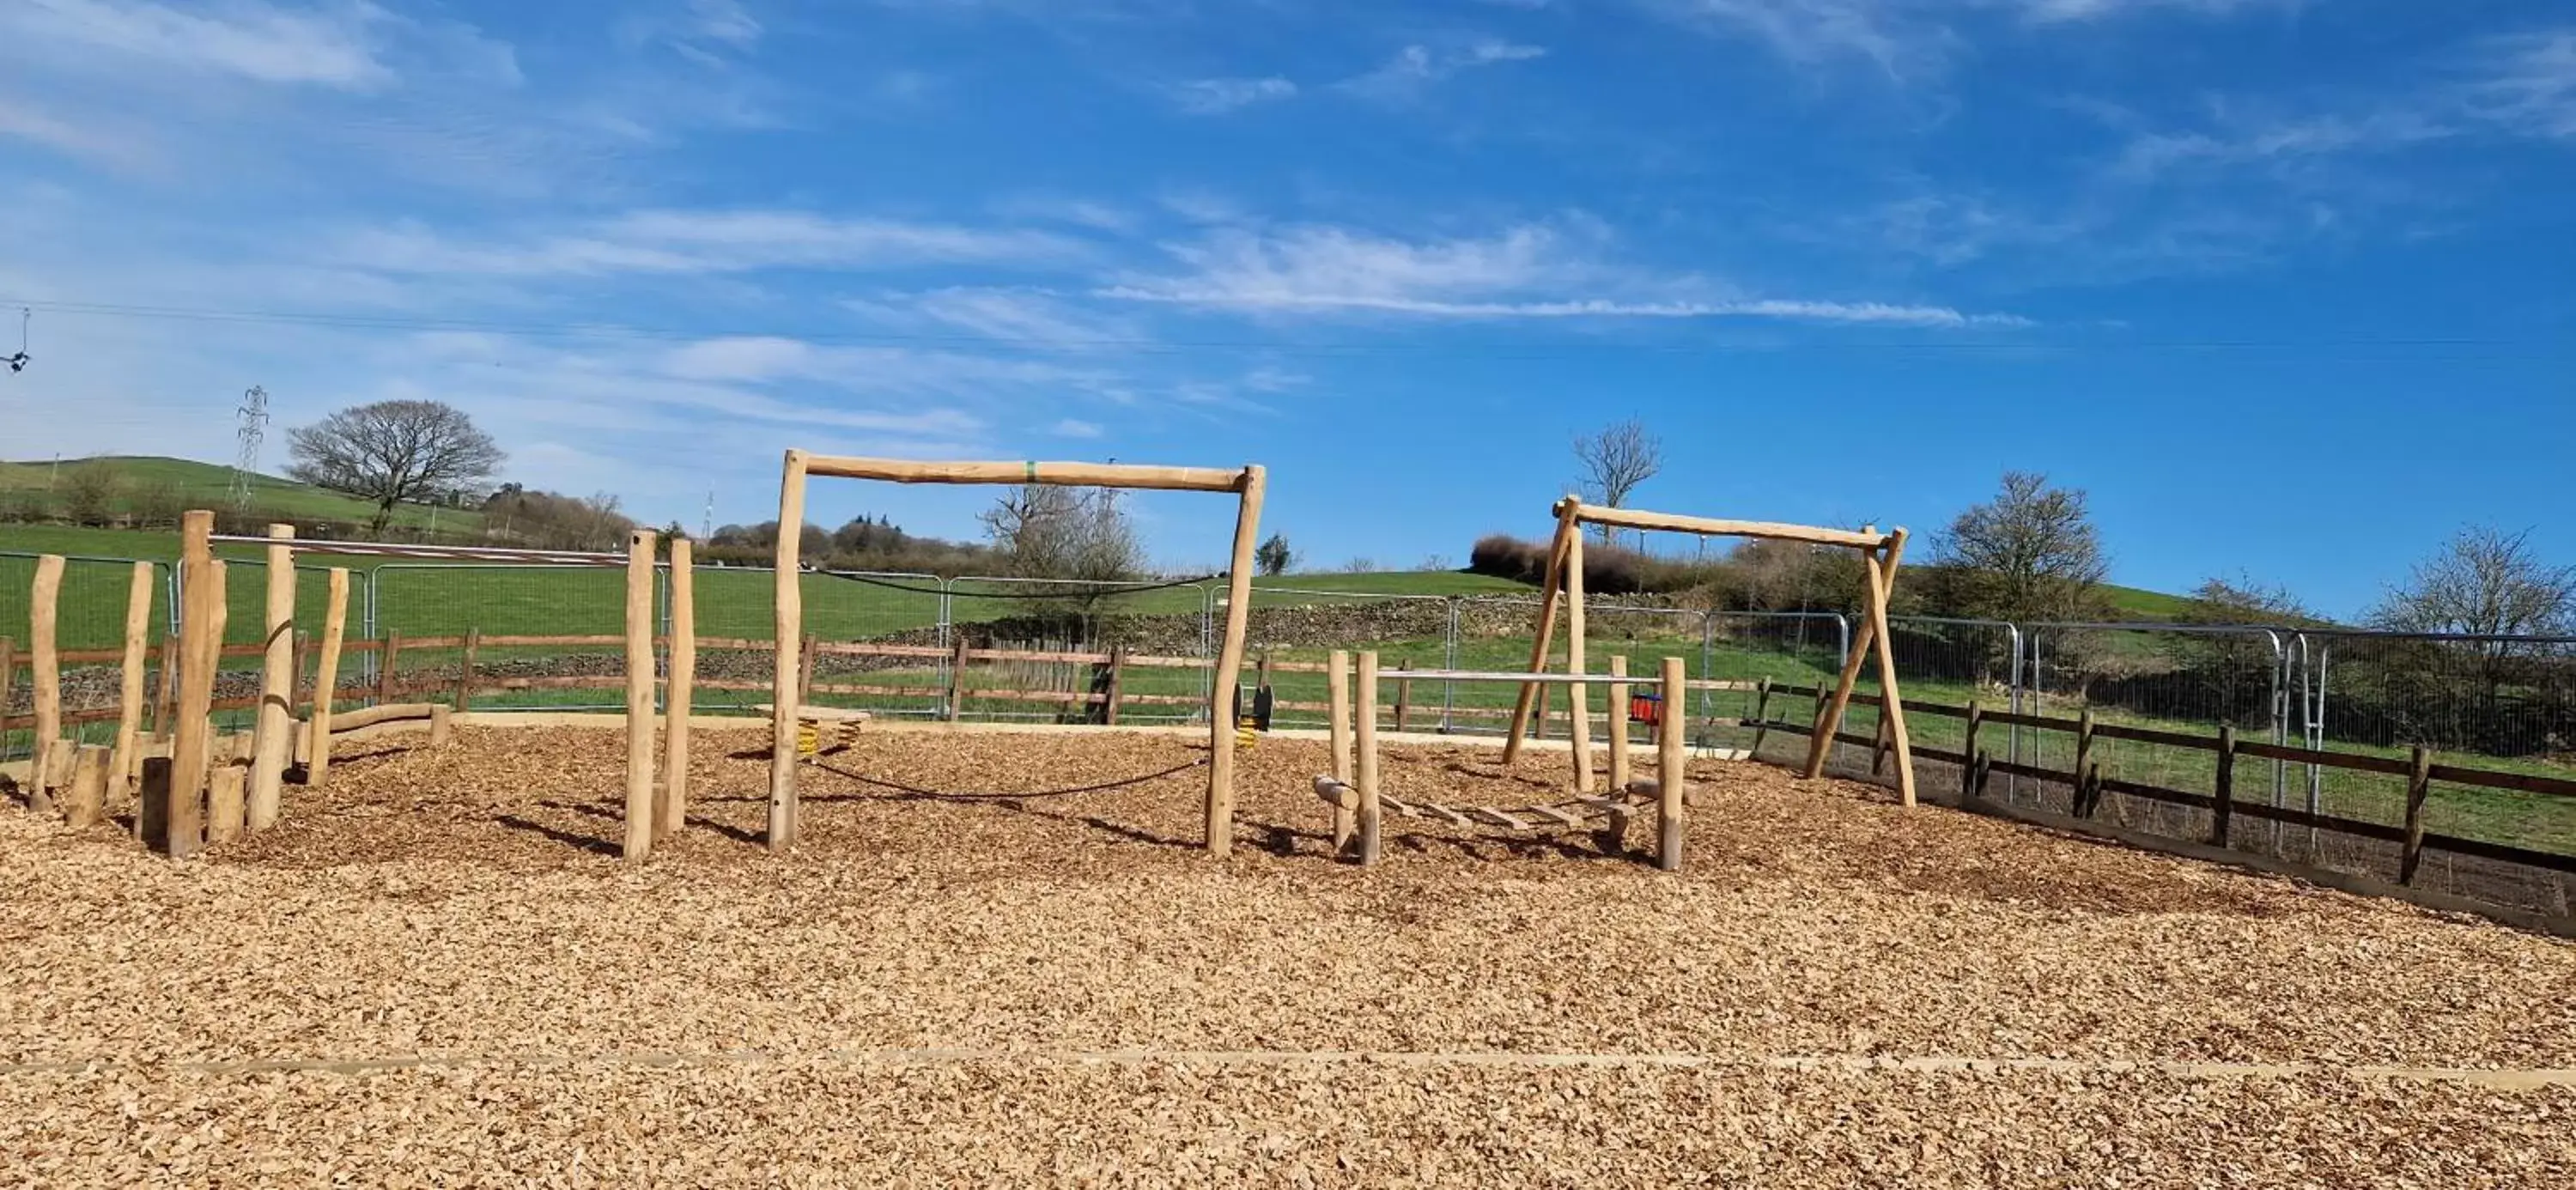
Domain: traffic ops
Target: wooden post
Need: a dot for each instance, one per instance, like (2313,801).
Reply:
(1671,770)
(1551,588)
(787,629)
(680,694)
(201,633)
(1968,790)
(87,804)
(1261,674)
(226,783)
(2223,791)
(441,722)
(275,723)
(165,702)
(123,763)
(810,660)
(640,819)
(1337,706)
(1229,663)
(388,687)
(2419,787)
(956,679)
(1403,694)
(1372,819)
(42,618)
(1761,715)
(1891,704)
(1880,581)
(465,670)
(2083,800)
(1117,678)
(326,681)
(1617,714)
(296,694)
(8,679)
(1578,697)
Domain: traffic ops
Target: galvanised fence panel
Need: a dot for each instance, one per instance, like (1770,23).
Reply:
(1295,630)
(89,615)
(1785,648)
(1166,619)
(2183,678)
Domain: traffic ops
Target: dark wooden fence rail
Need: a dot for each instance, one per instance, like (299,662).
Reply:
(2089,784)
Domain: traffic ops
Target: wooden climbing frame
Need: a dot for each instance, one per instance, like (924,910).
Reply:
(1563,584)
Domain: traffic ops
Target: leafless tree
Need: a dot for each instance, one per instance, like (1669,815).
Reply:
(1615,461)
(393,451)
(2031,553)
(1045,531)
(2487,583)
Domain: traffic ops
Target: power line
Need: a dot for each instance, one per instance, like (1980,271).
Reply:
(1994,340)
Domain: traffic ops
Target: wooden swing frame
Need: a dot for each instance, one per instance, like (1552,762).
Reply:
(1248,484)
(1563,583)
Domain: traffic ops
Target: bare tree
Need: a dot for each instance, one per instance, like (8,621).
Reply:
(2031,553)
(1615,461)
(1045,531)
(2486,583)
(393,451)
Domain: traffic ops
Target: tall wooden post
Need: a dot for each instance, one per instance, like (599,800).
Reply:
(201,640)
(1403,694)
(1617,714)
(956,708)
(165,700)
(640,819)
(1891,703)
(1337,706)
(326,679)
(8,681)
(2419,787)
(1672,764)
(2223,792)
(1551,589)
(680,696)
(465,670)
(1372,818)
(1229,664)
(43,608)
(786,629)
(272,729)
(1879,579)
(1578,697)
(388,686)
(123,763)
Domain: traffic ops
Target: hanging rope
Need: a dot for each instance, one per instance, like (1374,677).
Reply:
(995,796)
(1098,591)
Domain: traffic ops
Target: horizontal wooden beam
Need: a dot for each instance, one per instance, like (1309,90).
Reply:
(1095,475)
(1630,518)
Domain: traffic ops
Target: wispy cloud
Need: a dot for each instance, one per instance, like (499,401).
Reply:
(1416,67)
(335,47)
(2528,84)
(1910,40)
(1522,273)
(1215,96)
(704,241)
(1075,428)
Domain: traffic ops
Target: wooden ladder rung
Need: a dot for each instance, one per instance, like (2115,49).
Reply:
(1498,818)
(1559,816)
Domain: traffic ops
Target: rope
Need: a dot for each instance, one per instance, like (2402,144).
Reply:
(1098,591)
(995,796)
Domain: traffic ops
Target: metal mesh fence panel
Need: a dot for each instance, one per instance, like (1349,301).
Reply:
(1071,626)
(1782,649)
(2187,679)
(90,631)
(1294,631)
(436,608)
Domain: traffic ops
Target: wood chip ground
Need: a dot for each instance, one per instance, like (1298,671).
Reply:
(436,973)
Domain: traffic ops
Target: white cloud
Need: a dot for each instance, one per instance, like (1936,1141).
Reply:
(1415,67)
(1522,273)
(1075,428)
(1215,96)
(2528,84)
(703,241)
(334,47)
(1909,39)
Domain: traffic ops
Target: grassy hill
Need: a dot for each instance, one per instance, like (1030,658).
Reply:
(207,485)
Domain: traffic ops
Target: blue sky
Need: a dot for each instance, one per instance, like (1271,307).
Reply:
(2284,284)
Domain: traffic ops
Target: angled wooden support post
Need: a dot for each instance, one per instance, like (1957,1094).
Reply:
(1337,706)
(1551,587)
(1891,703)
(326,679)
(43,609)
(785,630)
(1253,484)
(640,817)
(1878,579)
(272,729)
(1761,715)
(124,765)
(679,698)
(1371,819)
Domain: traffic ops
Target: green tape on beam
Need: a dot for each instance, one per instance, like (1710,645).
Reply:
(1033,471)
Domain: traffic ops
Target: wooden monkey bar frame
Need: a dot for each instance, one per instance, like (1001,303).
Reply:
(1879,553)
(1248,484)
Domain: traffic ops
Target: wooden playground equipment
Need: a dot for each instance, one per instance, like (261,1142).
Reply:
(1563,584)
(1359,803)
(191,786)
(787,713)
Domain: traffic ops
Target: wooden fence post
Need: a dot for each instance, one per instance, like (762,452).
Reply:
(1403,694)
(1761,714)
(1879,743)
(1614,712)
(1968,790)
(8,679)
(273,724)
(680,698)
(123,764)
(957,682)
(1117,679)
(465,670)
(2082,800)
(2419,786)
(2223,790)
(809,661)
(1671,769)
(326,682)
(165,702)
(1337,729)
(1372,820)
(42,610)
(640,817)
(388,688)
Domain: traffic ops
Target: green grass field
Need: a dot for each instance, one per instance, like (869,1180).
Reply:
(207,485)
